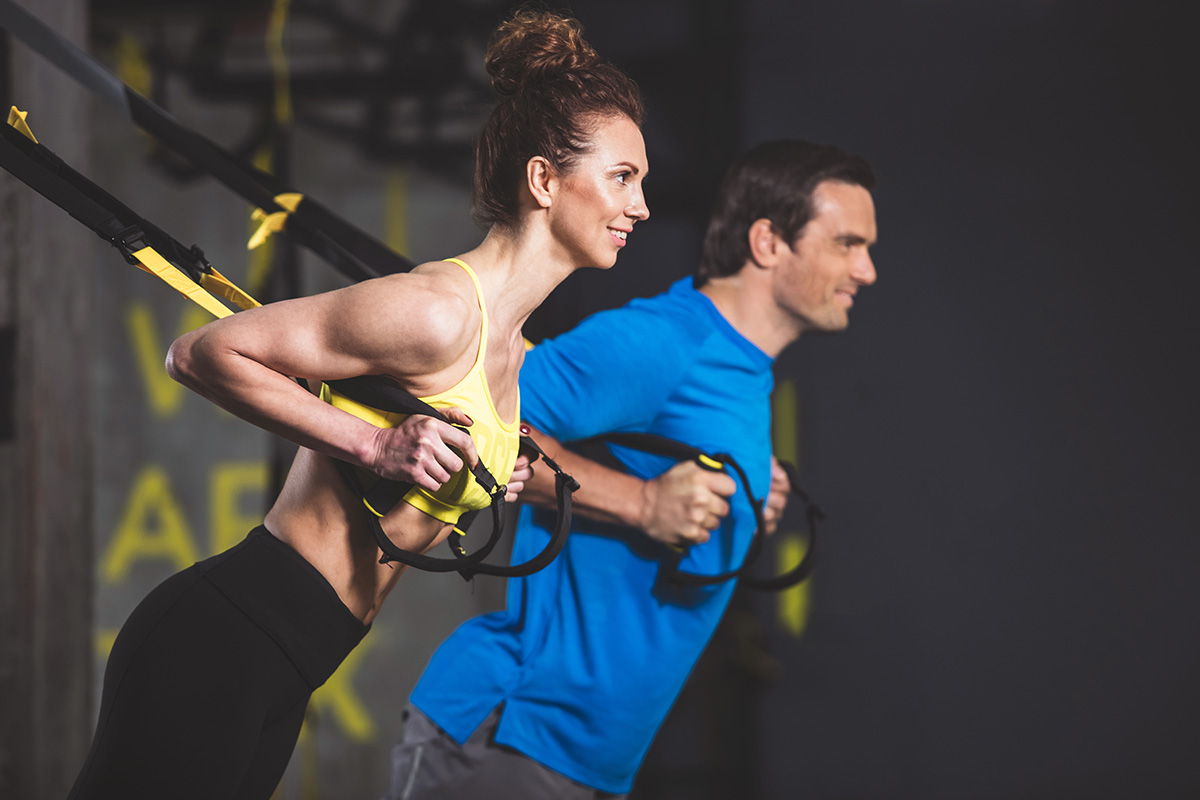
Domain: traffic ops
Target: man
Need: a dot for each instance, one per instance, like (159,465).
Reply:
(560,695)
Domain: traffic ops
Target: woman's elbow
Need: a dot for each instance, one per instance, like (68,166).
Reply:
(182,359)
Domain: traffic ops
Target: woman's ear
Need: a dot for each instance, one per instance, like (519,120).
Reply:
(539,177)
(764,243)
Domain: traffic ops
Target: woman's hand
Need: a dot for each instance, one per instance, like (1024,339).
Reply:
(522,471)
(424,451)
(407,327)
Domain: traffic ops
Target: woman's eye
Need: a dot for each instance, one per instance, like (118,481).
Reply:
(622,176)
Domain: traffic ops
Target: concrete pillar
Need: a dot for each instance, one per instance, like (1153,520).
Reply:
(46,451)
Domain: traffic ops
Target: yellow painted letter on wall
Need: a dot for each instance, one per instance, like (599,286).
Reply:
(163,394)
(232,513)
(794,603)
(785,410)
(151,527)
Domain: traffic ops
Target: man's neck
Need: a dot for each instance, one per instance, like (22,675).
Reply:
(746,303)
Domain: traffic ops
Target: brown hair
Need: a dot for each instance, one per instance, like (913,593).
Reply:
(773,181)
(551,85)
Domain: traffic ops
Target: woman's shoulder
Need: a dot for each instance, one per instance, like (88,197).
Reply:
(433,307)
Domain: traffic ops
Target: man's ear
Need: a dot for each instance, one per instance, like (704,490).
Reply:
(764,243)
(539,177)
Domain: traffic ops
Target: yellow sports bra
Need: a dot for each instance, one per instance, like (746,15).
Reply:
(496,441)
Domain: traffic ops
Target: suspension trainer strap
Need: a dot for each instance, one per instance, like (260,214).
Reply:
(804,569)
(383,495)
(347,248)
(185,269)
(564,488)
(660,445)
(140,242)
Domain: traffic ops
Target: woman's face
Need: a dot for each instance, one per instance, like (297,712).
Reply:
(601,198)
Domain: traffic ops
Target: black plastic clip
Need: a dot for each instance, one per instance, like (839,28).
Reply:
(198,254)
(124,241)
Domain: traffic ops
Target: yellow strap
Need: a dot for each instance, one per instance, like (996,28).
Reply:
(221,286)
(711,463)
(16,118)
(275,222)
(150,261)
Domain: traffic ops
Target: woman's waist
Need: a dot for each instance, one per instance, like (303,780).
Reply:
(322,519)
(288,597)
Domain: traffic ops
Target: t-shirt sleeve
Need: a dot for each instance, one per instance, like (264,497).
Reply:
(611,373)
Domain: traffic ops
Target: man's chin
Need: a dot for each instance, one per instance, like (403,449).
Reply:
(830,325)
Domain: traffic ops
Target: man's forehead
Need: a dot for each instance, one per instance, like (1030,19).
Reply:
(847,207)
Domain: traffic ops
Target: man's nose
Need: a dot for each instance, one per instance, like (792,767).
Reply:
(864,270)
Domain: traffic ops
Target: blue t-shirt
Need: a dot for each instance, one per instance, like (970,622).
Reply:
(592,651)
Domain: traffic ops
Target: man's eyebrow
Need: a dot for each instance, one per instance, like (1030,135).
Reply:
(851,238)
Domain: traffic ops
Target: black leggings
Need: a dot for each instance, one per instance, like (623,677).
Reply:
(207,683)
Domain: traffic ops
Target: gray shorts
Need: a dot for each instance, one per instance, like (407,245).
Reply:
(429,765)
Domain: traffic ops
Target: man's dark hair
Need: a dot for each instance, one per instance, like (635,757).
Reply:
(773,181)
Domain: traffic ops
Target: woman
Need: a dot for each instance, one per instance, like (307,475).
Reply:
(207,683)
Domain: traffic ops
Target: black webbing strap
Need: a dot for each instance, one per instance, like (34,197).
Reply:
(38,168)
(802,570)
(352,252)
(564,488)
(347,248)
(44,172)
(660,445)
(144,244)
(383,495)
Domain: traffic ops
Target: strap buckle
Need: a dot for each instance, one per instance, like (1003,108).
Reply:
(128,241)
(202,262)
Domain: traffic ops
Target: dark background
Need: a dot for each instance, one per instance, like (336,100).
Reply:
(1004,606)
(1003,439)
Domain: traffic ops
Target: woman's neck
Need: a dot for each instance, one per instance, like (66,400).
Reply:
(518,270)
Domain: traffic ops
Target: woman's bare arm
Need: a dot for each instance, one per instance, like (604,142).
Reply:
(409,327)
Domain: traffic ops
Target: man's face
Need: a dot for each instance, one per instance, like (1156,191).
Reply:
(819,275)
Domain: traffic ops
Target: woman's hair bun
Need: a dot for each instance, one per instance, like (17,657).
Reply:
(552,86)
(536,46)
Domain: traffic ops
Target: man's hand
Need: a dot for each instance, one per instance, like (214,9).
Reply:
(777,497)
(418,450)
(522,471)
(685,503)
